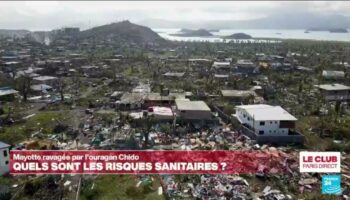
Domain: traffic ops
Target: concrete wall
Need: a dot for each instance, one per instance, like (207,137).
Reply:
(279,140)
(194,114)
(244,117)
(222,115)
(336,96)
(4,168)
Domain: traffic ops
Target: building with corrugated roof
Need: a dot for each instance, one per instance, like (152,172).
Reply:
(4,158)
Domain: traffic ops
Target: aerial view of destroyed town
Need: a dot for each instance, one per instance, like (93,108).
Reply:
(264,76)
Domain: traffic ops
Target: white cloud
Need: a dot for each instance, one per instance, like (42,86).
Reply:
(53,14)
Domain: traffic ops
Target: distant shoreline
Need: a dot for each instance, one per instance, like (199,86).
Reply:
(330,30)
(263,34)
(263,39)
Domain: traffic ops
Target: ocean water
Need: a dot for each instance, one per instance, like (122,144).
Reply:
(260,33)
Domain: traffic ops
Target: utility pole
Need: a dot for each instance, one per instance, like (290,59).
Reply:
(77,197)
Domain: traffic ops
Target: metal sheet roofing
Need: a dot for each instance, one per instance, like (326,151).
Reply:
(335,86)
(263,112)
(191,105)
(3,145)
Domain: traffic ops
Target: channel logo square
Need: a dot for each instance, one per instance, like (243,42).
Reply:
(331,184)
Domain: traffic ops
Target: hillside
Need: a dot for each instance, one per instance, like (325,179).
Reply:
(331,30)
(13,33)
(193,33)
(239,36)
(122,31)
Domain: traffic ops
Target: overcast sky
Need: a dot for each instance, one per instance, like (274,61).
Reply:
(43,15)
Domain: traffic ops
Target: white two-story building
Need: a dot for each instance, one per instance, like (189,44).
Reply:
(266,120)
(4,158)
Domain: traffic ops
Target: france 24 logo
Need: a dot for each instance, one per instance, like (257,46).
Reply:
(331,184)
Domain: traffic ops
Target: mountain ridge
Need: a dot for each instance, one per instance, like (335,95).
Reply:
(123,30)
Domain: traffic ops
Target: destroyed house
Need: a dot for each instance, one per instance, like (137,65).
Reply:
(328,74)
(246,67)
(119,56)
(174,75)
(116,95)
(276,65)
(238,96)
(192,110)
(261,57)
(286,66)
(199,65)
(79,61)
(90,70)
(70,30)
(142,88)
(199,61)
(161,113)
(10,66)
(40,89)
(7,94)
(48,80)
(130,101)
(4,158)
(268,124)
(334,92)
(221,65)
(9,58)
(221,77)
(157,99)
(277,58)
(305,69)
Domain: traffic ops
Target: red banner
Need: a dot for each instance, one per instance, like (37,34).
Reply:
(144,162)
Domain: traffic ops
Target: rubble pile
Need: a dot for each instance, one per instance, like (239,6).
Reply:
(218,187)
(93,133)
(236,187)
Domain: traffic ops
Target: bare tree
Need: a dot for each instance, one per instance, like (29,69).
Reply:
(76,82)
(61,88)
(114,72)
(23,85)
(337,110)
(148,62)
